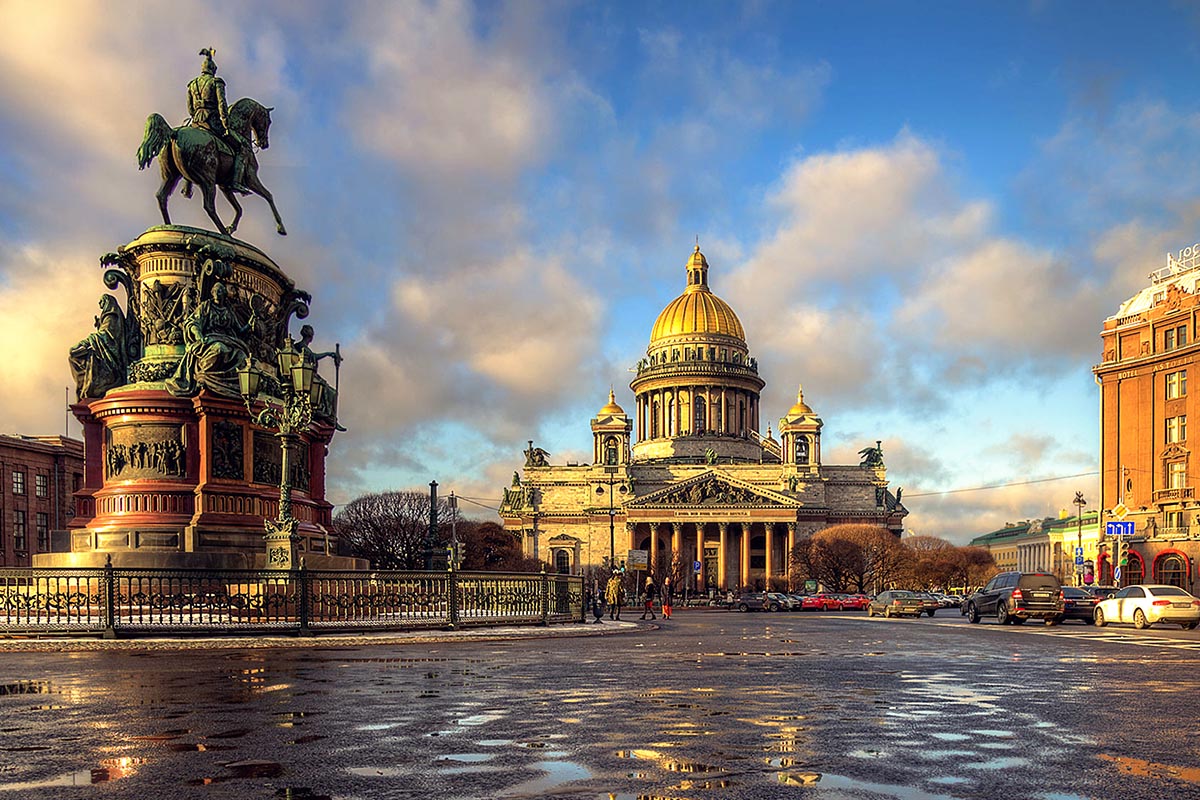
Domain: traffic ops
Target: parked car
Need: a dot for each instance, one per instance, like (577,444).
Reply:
(1017,596)
(785,601)
(1147,604)
(1104,592)
(896,603)
(854,602)
(948,600)
(1079,604)
(931,603)
(754,601)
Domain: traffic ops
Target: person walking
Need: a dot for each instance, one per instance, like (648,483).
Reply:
(666,597)
(614,593)
(649,592)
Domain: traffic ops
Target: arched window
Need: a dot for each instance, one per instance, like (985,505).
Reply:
(1135,571)
(562,562)
(610,450)
(801,450)
(719,422)
(1171,569)
(671,416)
(655,411)
(698,426)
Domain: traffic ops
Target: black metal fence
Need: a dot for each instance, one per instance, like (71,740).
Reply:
(113,601)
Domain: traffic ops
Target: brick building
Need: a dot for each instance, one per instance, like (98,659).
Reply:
(1149,353)
(38,475)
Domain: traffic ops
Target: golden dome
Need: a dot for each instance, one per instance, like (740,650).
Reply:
(801,408)
(611,409)
(697,310)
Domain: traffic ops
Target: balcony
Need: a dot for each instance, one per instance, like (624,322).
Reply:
(1173,533)
(1168,495)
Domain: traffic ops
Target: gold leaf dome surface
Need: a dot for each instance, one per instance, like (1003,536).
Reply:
(611,408)
(697,310)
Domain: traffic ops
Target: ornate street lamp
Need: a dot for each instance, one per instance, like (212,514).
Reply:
(289,420)
(612,535)
(1079,504)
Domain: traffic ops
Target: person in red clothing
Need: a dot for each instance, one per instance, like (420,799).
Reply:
(666,598)
(649,592)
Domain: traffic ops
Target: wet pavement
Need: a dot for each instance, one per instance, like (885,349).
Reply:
(707,705)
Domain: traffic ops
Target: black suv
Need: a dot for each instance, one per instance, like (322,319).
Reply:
(1015,597)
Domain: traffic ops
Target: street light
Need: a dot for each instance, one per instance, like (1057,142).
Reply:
(1079,503)
(612,535)
(288,420)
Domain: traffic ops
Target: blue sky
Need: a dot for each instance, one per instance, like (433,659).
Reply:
(923,213)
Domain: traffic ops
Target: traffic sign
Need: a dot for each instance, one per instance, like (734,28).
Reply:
(696,567)
(1120,510)
(1117,576)
(1079,561)
(638,559)
(1078,554)
(1119,528)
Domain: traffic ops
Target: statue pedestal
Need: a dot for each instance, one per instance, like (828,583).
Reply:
(187,481)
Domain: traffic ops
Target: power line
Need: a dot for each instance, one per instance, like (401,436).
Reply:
(1006,485)
(474,501)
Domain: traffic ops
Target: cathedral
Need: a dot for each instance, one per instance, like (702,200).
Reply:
(687,486)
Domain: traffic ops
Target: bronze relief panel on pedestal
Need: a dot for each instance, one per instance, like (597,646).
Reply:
(268,461)
(145,450)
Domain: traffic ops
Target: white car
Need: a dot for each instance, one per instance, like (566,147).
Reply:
(1147,604)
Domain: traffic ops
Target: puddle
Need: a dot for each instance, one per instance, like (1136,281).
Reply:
(1007,762)
(950,737)
(27,687)
(191,747)
(83,777)
(868,754)
(242,769)
(557,774)
(494,742)
(467,758)
(481,719)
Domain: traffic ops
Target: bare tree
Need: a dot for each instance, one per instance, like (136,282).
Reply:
(390,528)
(486,546)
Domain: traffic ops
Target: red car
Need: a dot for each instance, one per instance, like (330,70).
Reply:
(820,602)
(854,602)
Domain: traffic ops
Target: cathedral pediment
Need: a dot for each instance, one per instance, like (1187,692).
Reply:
(716,490)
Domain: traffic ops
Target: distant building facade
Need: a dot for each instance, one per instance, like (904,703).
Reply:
(38,475)
(1052,545)
(1149,391)
(688,478)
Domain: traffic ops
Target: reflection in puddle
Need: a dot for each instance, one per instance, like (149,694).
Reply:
(557,774)
(467,758)
(1000,763)
(242,769)
(110,769)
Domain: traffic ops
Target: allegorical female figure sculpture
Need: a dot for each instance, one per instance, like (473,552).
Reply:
(215,341)
(99,362)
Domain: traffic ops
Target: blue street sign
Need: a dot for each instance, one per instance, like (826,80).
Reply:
(1119,528)
(696,566)
(1117,576)
(1079,561)
(1078,552)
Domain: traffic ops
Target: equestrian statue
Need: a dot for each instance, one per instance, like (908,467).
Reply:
(213,150)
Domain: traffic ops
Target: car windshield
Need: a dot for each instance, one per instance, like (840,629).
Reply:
(1167,591)
(903,594)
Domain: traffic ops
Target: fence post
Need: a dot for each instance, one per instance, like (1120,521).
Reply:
(303,576)
(545,597)
(109,581)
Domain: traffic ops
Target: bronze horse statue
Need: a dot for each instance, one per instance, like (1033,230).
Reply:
(198,156)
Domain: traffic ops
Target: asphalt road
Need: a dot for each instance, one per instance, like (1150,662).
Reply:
(709,705)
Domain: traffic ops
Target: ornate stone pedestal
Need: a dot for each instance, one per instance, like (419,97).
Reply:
(176,473)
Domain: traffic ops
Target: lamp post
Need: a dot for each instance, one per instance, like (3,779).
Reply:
(289,420)
(611,471)
(1079,504)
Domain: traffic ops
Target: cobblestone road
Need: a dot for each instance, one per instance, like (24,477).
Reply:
(712,705)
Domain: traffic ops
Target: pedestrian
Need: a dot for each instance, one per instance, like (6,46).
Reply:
(597,604)
(666,597)
(614,593)
(649,591)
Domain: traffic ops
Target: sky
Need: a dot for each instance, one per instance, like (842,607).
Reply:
(921,212)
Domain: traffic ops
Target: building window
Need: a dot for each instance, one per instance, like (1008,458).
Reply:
(1174,519)
(698,425)
(1175,337)
(655,409)
(1135,571)
(801,450)
(1176,384)
(1177,429)
(19,531)
(43,532)
(18,482)
(562,562)
(1176,475)
(1171,570)
(41,485)
(610,450)
(671,416)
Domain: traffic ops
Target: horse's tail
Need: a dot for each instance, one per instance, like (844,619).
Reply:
(158,133)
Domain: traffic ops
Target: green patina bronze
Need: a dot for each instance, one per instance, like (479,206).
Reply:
(213,150)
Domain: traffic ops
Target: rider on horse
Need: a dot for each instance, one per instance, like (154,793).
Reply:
(206,104)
